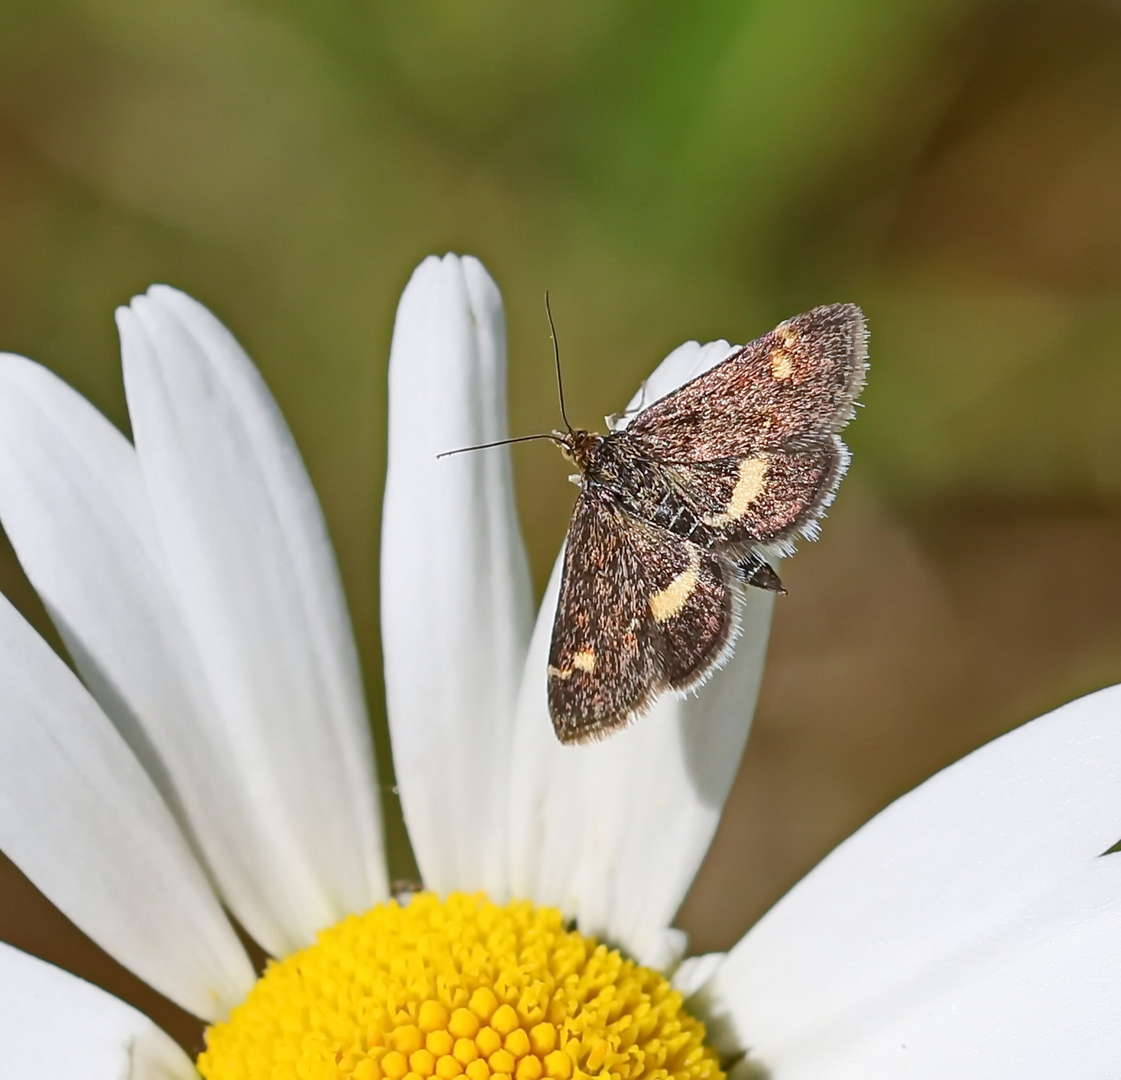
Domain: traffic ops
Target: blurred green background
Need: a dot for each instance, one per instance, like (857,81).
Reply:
(668,171)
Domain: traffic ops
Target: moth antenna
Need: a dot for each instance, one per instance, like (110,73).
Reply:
(500,442)
(556,360)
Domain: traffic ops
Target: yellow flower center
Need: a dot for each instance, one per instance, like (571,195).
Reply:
(461,987)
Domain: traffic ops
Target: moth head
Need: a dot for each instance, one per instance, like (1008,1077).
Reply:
(578,446)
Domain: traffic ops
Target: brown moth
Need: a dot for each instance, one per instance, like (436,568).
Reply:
(679,510)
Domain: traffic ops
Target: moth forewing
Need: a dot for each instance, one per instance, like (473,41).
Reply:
(603,666)
(648,613)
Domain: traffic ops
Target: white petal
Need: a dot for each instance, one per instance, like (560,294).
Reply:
(694,971)
(665,950)
(73,503)
(53,1025)
(456,600)
(79,816)
(613,833)
(684,363)
(248,556)
(1039,998)
(972,929)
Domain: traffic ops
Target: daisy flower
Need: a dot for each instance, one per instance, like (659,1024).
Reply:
(215,758)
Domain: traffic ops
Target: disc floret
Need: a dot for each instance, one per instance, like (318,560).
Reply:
(461,987)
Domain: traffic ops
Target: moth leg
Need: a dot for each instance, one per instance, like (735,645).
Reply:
(615,419)
(756,571)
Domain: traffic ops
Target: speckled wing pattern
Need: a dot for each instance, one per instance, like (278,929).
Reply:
(637,607)
(678,512)
(753,445)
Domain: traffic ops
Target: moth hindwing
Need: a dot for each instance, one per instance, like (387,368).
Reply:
(678,512)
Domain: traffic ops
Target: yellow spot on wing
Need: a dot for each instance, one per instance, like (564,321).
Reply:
(582,660)
(585,660)
(671,600)
(749,486)
(782,364)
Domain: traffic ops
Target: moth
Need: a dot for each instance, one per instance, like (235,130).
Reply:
(685,507)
